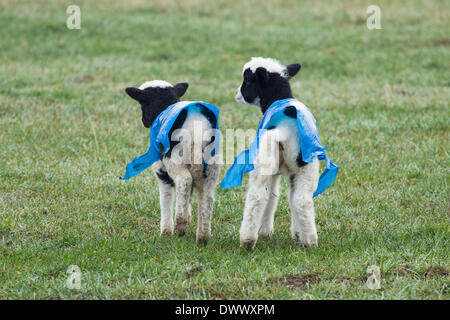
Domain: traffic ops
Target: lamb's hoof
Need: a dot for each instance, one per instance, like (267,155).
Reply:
(248,244)
(181,226)
(167,232)
(309,241)
(202,241)
(181,230)
(308,245)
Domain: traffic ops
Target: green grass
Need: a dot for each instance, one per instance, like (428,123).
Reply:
(67,129)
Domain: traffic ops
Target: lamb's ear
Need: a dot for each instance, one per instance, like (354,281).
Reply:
(293,69)
(262,75)
(135,93)
(180,88)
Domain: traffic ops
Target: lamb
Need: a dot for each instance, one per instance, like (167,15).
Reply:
(287,144)
(181,158)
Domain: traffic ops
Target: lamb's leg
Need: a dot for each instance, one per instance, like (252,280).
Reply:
(166,196)
(189,215)
(199,219)
(303,185)
(183,188)
(255,203)
(260,189)
(206,202)
(266,229)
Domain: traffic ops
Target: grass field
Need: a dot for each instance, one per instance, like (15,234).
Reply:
(67,130)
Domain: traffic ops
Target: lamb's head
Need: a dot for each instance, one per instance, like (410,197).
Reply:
(155,96)
(265,81)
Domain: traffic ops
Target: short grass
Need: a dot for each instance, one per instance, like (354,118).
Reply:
(67,129)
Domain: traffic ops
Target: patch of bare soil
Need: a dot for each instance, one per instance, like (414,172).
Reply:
(436,271)
(297,280)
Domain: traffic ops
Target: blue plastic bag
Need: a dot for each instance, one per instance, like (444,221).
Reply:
(310,146)
(159,135)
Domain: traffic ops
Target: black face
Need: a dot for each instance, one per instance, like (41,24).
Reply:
(262,88)
(154,100)
(250,87)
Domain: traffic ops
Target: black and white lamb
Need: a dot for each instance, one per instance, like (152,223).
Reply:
(288,144)
(186,162)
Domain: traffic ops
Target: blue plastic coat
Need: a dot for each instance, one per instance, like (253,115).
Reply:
(310,145)
(159,134)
